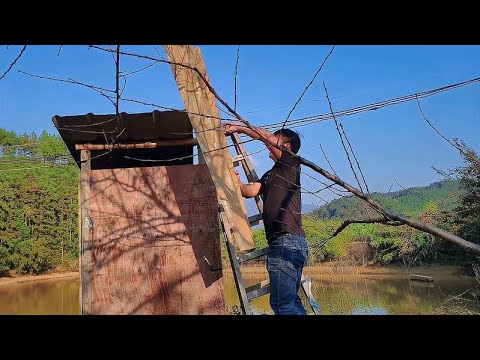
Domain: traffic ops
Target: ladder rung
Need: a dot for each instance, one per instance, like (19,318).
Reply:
(255,219)
(237,159)
(252,255)
(257,290)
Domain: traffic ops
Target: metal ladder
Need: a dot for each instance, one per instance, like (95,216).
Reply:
(247,295)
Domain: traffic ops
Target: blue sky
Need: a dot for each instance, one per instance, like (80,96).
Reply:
(393,142)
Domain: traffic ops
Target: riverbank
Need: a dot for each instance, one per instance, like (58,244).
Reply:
(341,269)
(329,269)
(28,278)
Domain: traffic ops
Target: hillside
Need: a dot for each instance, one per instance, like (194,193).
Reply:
(410,202)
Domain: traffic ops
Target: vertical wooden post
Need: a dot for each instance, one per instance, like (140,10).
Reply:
(86,235)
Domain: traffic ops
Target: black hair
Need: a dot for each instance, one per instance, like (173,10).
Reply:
(292,136)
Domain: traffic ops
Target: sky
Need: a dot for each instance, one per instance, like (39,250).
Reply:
(390,143)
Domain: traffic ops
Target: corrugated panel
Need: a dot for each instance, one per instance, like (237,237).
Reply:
(128,128)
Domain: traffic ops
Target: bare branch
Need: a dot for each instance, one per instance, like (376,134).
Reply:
(139,70)
(438,132)
(415,223)
(71,81)
(236,72)
(308,85)
(372,107)
(382,220)
(325,155)
(355,157)
(158,52)
(13,62)
(341,138)
(173,109)
(117,78)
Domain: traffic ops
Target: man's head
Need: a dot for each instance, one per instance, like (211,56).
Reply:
(288,138)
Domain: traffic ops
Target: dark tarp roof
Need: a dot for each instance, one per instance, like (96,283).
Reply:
(133,128)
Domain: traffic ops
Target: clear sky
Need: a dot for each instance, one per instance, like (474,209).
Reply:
(392,142)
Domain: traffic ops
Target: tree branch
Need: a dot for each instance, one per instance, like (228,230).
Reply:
(344,225)
(308,85)
(13,62)
(468,246)
(341,138)
(235,79)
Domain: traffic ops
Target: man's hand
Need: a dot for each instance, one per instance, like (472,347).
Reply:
(232,127)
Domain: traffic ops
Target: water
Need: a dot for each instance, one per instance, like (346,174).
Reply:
(376,295)
(55,297)
(356,296)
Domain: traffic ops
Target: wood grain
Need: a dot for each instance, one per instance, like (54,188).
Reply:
(199,100)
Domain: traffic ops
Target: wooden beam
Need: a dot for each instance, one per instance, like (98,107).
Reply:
(200,105)
(143,145)
(86,234)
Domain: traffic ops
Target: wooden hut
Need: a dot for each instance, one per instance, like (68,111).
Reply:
(148,216)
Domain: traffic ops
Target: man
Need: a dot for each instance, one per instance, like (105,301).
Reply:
(282,207)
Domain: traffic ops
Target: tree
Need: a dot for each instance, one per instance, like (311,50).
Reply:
(465,220)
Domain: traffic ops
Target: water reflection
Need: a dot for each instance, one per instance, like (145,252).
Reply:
(373,296)
(48,297)
(357,296)
(369,311)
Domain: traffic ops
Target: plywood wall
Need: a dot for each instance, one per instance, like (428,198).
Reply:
(152,229)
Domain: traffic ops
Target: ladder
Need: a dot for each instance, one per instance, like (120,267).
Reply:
(247,295)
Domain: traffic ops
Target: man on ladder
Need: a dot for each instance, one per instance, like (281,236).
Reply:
(282,206)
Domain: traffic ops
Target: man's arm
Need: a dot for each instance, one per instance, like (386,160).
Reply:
(249,190)
(231,128)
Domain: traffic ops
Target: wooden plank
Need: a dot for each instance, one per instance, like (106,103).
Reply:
(153,228)
(142,145)
(86,232)
(199,100)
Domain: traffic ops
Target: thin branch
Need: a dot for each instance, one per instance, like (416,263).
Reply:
(236,72)
(139,70)
(308,85)
(400,185)
(372,107)
(112,52)
(124,85)
(301,188)
(355,157)
(173,109)
(438,132)
(415,223)
(67,81)
(325,155)
(324,188)
(382,220)
(71,81)
(341,138)
(117,79)
(158,52)
(13,62)
(59,49)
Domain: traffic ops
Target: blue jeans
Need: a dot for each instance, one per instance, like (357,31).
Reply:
(285,261)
